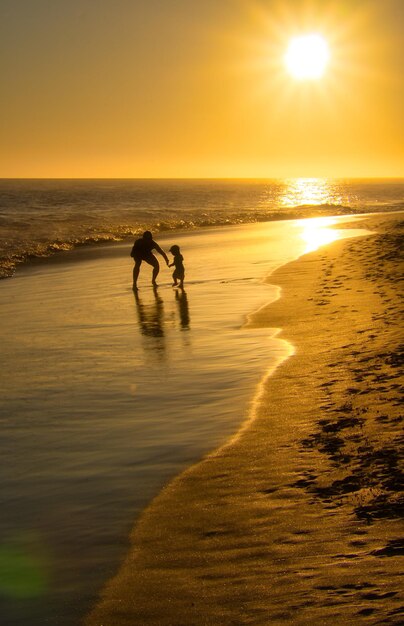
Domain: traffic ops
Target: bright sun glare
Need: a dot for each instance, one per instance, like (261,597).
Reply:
(307,57)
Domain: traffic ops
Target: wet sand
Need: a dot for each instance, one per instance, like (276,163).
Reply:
(295,520)
(106,397)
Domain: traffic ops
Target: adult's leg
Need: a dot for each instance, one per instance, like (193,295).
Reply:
(136,268)
(151,260)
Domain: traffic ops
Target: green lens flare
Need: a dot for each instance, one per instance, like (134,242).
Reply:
(23,572)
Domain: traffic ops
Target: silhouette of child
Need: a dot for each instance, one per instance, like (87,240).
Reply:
(179,272)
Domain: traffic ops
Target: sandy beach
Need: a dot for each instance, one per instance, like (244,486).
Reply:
(226,451)
(296,519)
(107,395)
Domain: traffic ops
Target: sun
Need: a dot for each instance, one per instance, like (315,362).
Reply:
(307,57)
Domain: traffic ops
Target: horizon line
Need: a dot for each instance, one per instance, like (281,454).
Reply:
(202,178)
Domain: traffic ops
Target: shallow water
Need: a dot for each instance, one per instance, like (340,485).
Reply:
(40,218)
(106,396)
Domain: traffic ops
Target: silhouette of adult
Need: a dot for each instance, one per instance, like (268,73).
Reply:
(142,251)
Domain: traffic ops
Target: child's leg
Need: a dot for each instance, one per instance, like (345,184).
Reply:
(174,278)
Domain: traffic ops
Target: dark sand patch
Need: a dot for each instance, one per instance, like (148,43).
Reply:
(296,520)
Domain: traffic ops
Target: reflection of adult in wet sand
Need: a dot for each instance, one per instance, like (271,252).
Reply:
(151,316)
(142,251)
(181,298)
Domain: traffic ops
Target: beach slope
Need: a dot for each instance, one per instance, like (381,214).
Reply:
(295,520)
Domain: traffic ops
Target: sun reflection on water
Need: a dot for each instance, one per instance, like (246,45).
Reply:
(317,232)
(309,191)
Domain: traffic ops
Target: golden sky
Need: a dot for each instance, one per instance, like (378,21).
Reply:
(177,88)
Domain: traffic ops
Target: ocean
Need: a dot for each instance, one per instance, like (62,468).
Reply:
(40,218)
(105,395)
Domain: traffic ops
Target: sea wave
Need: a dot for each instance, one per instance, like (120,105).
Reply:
(26,239)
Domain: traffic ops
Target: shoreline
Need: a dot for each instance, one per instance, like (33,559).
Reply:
(85,358)
(112,248)
(268,529)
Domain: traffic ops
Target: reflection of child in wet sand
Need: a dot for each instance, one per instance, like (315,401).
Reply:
(179,272)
